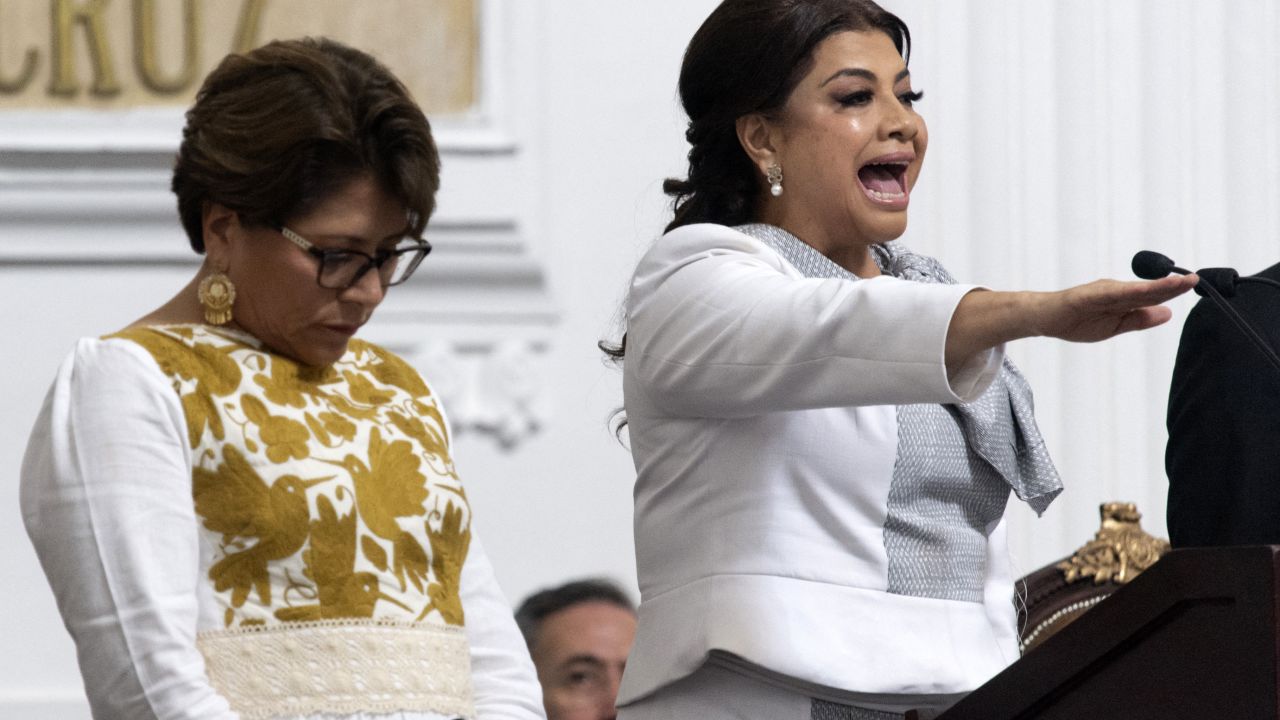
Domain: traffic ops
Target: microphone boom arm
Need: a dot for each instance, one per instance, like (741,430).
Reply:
(1208,290)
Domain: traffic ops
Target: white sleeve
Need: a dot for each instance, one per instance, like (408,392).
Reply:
(505,683)
(716,327)
(106,499)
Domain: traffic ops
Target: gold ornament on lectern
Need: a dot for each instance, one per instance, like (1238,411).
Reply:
(1119,551)
(216,294)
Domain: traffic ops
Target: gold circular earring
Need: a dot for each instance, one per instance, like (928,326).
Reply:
(216,294)
(774,176)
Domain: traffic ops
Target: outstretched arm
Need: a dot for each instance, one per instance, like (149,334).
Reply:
(1086,313)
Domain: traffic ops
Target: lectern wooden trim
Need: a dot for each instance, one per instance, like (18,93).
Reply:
(1192,637)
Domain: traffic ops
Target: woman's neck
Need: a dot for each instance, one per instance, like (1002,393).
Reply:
(182,309)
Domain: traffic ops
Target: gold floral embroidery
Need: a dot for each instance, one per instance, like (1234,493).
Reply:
(341,592)
(285,438)
(438,425)
(318,431)
(201,414)
(391,370)
(290,384)
(280,393)
(213,370)
(349,409)
(432,441)
(448,546)
(337,425)
(364,391)
(410,561)
(233,500)
(373,552)
(388,488)
(323,506)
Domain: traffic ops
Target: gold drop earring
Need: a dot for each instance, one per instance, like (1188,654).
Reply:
(217,293)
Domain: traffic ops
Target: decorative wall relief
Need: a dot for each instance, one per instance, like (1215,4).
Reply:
(498,391)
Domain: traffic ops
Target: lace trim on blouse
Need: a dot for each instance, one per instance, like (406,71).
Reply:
(343,666)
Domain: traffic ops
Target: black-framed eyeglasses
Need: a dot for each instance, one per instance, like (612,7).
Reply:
(340,269)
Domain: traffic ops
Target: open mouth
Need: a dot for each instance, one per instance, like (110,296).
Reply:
(885,180)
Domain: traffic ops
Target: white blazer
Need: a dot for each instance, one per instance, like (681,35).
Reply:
(761,411)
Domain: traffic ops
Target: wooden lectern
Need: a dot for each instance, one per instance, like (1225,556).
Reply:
(1194,637)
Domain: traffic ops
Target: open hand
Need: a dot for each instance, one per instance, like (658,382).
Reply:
(1105,308)
(1085,313)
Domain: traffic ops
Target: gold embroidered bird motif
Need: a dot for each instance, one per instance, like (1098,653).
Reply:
(388,488)
(330,564)
(449,548)
(235,501)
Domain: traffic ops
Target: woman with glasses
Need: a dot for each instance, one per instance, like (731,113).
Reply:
(243,510)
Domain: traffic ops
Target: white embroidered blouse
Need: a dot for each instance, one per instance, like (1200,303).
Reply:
(232,535)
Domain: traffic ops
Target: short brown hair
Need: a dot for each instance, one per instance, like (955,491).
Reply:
(275,131)
(544,603)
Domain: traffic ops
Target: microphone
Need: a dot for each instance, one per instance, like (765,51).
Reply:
(1217,284)
(1151,265)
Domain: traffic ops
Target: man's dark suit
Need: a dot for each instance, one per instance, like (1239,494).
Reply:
(1223,457)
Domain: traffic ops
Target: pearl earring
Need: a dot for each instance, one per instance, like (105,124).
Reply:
(774,176)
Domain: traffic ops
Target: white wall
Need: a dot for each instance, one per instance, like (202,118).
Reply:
(1065,136)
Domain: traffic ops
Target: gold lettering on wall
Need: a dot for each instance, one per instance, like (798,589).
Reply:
(17,83)
(144,47)
(86,15)
(247,29)
(76,53)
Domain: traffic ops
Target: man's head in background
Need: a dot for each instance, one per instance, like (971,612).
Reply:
(579,635)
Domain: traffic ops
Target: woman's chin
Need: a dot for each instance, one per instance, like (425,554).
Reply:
(885,228)
(318,354)
(324,358)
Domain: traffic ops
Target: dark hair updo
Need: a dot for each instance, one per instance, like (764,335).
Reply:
(276,131)
(747,57)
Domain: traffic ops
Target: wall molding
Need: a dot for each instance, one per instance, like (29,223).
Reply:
(47,706)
